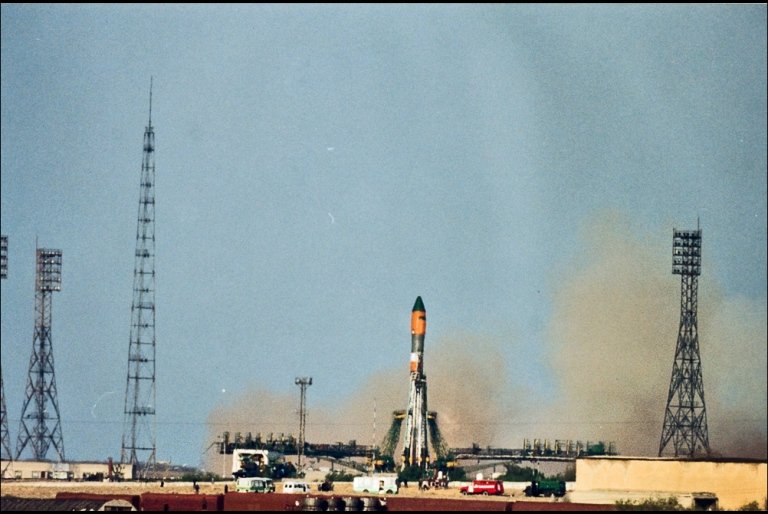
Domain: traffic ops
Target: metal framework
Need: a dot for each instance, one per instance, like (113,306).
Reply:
(139,446)
(5,446)
(392,437)
(40,424)
(685,418)
(303,383)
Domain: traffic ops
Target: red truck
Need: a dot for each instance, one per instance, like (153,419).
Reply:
(484,487)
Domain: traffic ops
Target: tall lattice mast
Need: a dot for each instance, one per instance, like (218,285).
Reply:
(139,441)
(41,426)
(303,383)
(5,446)
(685,419)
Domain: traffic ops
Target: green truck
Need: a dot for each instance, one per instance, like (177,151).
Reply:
(546,488)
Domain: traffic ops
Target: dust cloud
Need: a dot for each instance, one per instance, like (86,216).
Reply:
(366,415)
(612,338)
(609,344)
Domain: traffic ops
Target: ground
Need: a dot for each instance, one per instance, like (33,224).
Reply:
(49,489)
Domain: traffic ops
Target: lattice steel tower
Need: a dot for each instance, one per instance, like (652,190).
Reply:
(38,426)
(139,441)
(5,446)
(685,419)
(303,383)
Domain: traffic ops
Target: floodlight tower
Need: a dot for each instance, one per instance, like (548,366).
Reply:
(3,256)
(5,447)
(685,418)
(303,383)
(139,441)
(38,426)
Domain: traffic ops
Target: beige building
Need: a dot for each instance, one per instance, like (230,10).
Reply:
(735,482)
(43,470)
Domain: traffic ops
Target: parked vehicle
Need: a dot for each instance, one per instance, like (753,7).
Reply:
(293,487)
(255,485)
(326,485)
(484,487)
(385,484)
(546,488)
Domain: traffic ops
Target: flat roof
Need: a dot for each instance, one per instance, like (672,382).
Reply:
(676,459)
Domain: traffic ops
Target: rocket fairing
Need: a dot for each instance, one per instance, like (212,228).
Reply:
(418,330)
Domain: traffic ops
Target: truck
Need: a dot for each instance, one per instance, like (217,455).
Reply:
(545,488)
(260,463)
(248,462)
(376,483)
(484,487)
(255,485)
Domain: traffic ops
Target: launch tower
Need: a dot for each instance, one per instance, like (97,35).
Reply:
(139,443)
(685,418)
(40,427)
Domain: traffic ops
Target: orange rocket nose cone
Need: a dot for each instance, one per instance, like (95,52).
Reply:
(418,318)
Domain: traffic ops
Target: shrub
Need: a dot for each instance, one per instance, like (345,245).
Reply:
(339,476)
(670,503)
(199,476)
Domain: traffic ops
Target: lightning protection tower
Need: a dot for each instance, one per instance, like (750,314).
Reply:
(303,383)
(5,447)
(139,441)
(40,426)
(685,418)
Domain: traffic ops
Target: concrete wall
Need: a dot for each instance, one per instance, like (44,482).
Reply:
(735,482)
(42,470)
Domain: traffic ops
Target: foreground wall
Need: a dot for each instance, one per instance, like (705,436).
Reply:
(734,482)
(277,502)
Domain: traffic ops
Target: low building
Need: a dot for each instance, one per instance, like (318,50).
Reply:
(47,470)
(731,483)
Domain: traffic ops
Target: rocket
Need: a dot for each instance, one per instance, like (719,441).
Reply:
(418,330)
(415,448)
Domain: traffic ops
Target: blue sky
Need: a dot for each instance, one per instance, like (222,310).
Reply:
(318,167)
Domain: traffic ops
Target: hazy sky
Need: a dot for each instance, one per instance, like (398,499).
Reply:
(319,167)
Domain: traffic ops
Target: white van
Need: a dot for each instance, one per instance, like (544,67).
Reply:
(293,487)
(382,484)
(255,485)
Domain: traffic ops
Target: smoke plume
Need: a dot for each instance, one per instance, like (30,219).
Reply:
(610,345)
(612,339)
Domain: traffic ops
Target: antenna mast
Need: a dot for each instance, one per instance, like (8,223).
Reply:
(139,446)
